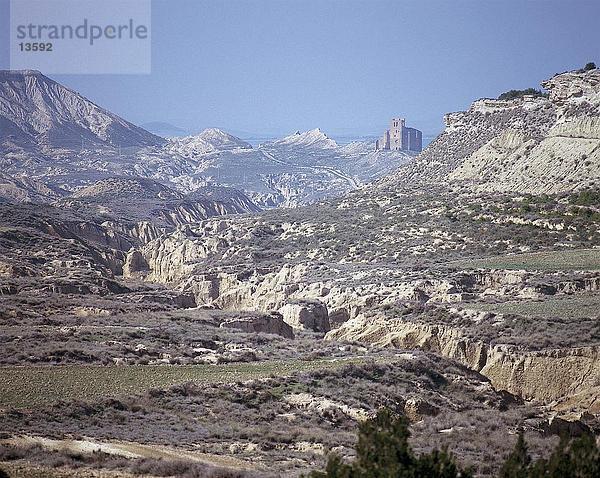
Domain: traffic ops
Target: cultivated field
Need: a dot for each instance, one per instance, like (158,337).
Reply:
(23,387)
(569,307)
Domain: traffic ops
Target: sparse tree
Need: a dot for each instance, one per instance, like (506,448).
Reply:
(382,448)
(589,66)
(517,463)
(383,451)
(579,458)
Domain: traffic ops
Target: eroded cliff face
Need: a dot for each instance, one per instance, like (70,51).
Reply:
(186,259)
(556,377)
(569,153)
(139,233)
(547,376)
(177,259)
(574,85)
(500,145)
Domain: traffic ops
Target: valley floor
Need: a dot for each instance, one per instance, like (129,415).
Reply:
(186,365)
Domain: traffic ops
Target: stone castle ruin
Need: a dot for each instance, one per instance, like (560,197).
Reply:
(400,138)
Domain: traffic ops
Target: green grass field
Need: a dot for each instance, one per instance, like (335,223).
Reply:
(30,386)
(569,307)
(580,259)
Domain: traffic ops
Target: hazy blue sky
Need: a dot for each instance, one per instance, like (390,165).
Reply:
(347,66)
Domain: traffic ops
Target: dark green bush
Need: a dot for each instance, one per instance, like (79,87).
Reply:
(513,94)
(383,451)
(587,197)
(579,458)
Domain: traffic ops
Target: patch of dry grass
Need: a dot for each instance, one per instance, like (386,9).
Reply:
(567,307)
(22,387)
(579,259)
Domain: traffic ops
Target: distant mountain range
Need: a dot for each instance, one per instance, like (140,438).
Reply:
(56,137)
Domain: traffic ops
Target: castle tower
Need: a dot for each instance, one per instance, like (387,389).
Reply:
(400,138)
(396,138)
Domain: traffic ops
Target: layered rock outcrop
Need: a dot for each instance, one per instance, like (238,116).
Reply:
(269,324)
(306,314)
(508,145)
(550,376)
(134,263)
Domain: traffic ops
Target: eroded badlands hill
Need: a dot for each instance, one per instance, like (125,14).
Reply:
(461,296)
(39,115)
(530,144)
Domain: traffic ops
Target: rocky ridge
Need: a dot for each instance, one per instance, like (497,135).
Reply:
(139,200)
(507,145)
(548,376)
(208,141)
(38,114)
